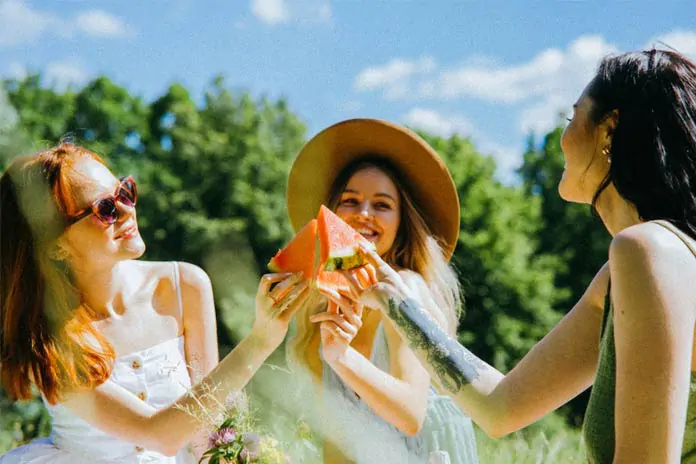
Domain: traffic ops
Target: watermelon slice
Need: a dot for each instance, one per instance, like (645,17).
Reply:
(337,242)
(298,256)
(336,251)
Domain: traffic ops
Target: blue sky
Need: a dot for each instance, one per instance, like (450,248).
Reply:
(490,70)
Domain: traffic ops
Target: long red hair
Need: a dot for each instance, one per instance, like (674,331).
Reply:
(46,333)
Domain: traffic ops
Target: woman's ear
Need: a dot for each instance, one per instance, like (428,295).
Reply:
(611,120)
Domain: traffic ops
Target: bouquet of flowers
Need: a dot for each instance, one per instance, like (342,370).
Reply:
(233,439)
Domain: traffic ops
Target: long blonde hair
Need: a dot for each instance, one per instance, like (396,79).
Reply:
(414,249)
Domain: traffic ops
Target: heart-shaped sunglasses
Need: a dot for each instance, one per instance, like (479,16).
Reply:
(106,208)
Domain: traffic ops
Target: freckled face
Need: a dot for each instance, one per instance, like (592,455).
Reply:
(371,204)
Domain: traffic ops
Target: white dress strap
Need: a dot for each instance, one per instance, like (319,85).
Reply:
(686,239)
(177,286)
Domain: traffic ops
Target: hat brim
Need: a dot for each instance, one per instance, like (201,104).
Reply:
(321,160)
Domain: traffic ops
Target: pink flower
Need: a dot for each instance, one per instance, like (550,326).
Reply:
(221,437)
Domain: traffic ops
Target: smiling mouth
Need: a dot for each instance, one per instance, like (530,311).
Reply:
(128,233)
(367,232)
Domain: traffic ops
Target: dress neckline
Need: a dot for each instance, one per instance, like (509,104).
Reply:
(179,339)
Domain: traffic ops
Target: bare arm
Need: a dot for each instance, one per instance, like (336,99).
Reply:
(200,331)
(652,291)
(558,368)
(399,396)
(117,412)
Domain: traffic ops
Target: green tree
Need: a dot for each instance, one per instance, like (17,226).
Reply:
(507,284)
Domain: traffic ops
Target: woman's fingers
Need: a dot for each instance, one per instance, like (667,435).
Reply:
(338,300)
(329,329)
(269,279)
(287,301)
(383,270)
(372,273)
(286,313)
(355,287)
(336,319)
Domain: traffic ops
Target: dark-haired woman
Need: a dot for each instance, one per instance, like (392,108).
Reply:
(630,151)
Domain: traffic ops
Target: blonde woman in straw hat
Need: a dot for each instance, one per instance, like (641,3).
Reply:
(378,402)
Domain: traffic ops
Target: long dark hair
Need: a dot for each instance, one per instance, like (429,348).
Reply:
(653,148)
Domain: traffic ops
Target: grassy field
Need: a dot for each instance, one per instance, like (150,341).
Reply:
(549,441)
(532,448)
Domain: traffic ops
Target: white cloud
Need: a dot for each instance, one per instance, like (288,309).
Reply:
(682,41)
(548,74)
(324,12)
(393,78)
(273,12)
(16,70)
(436,123)
(20,24)
(65,73)
(270,11)
(550,81)
(97,23)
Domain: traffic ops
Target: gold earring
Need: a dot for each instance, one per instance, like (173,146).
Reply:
(606,151)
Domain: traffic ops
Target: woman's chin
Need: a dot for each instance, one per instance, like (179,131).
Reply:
(567,189)
(133,249)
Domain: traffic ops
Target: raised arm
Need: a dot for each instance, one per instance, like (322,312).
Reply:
(119,413)
(558,368)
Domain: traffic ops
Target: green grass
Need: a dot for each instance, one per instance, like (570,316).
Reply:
(532,448)
(548,441)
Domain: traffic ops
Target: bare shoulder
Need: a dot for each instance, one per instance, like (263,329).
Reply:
(657,258)
(193,277)
(651,246)
(193,281)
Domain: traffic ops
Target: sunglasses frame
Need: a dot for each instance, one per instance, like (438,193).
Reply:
(94,207)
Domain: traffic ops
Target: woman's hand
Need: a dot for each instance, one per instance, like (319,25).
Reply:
(338,325)
(390,285)
(273,314)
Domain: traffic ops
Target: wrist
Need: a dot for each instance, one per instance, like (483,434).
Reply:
(339,360)
(263,339)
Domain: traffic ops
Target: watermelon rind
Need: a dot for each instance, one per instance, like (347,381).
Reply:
(345,259)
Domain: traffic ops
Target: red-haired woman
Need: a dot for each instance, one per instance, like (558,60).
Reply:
(111,343)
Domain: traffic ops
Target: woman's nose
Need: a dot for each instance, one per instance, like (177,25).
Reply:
(365,210)
(125,212)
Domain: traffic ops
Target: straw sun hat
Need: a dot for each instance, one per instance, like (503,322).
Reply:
(321,160)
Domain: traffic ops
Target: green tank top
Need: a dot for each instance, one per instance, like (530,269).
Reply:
(598,426)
